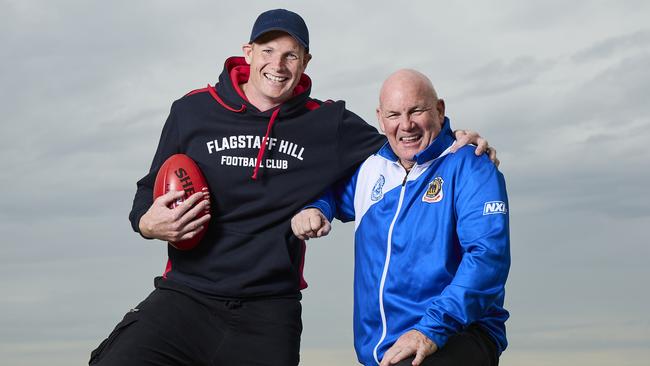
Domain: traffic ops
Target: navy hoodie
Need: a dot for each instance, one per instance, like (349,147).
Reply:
(249,249)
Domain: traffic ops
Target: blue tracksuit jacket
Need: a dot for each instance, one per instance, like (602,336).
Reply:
(431,246)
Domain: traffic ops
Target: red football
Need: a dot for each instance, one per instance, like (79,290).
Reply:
(180,173)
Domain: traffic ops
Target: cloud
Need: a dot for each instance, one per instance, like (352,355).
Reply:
(499,76)
(611,46)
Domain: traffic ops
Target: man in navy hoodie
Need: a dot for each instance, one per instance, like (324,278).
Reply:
(266,149)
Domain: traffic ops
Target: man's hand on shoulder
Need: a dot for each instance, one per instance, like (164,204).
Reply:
(310,223)
(464,137)
(174,224)
(408,344)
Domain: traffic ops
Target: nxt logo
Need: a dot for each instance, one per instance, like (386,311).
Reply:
(434,191)
(494,207)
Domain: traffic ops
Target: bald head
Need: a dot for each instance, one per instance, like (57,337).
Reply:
(409,113)
(407,79)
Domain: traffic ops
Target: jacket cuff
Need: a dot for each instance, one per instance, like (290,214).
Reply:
(323,207)
(439,339)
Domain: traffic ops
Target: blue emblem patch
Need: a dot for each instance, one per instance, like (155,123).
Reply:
(376,189)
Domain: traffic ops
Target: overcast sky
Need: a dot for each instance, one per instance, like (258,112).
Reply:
(560,88)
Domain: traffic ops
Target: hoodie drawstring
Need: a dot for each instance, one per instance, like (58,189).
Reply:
(260,153)
(214,94)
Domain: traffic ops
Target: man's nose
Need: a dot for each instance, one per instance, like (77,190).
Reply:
(277,61)
(405,122)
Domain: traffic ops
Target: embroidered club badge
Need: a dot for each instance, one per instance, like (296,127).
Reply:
(434,191)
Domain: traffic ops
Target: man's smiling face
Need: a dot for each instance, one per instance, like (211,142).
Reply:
(277,62)
(410,114)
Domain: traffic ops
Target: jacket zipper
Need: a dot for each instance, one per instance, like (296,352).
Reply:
(385,272)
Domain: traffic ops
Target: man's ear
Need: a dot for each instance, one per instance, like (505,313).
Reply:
(440,107)
(306,60)
(380,120)
(247,49)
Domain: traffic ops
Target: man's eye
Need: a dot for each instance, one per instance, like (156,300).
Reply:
(292,57)
(418,112)
(266,51)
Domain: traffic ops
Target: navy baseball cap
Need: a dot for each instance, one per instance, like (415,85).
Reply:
(281,20)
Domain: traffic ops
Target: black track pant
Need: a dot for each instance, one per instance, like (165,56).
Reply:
(176,326)
(472,347)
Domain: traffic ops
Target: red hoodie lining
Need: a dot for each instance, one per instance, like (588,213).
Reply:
(240,74)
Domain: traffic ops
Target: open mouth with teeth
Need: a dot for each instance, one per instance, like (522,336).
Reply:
(410,139)
(274,78)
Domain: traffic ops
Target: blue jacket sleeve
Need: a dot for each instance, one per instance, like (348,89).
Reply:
(338,200)
(482,228)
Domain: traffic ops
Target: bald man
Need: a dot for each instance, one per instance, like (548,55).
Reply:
(431,238)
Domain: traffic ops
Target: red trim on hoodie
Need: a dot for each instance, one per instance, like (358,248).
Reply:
(168,268)
(216,97)
(303,283)
(196,91)
(311,105)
